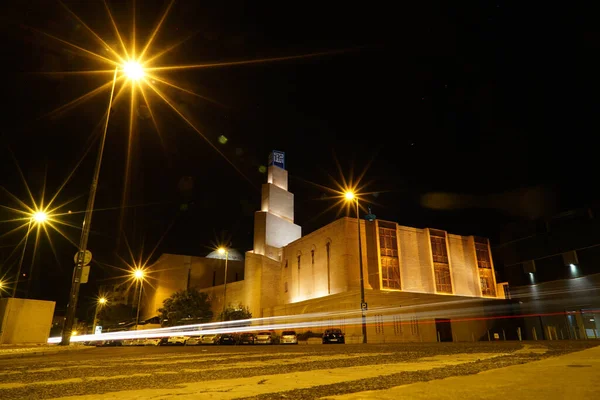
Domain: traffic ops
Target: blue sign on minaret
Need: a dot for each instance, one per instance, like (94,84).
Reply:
(277,158)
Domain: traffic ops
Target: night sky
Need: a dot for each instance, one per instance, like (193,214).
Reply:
(465,117)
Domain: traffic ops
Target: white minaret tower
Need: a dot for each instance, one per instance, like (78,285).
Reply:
(274,225)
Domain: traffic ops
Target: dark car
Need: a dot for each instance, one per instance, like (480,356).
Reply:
(246,338)
(333,336)
(227,339)
(109,343)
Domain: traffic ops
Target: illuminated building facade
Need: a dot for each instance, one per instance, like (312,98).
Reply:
(428,274)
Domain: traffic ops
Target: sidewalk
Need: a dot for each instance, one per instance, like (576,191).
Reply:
(572,376)
(26,350)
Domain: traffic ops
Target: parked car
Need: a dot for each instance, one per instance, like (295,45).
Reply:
(210,339)
(288,337)
(264,338)
(246,338)
(154,341)
(177,340)
(227,339)
(109,343)
(194,341)
(134,342)
(333,336)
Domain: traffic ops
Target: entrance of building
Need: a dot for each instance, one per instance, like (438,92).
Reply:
(444,330)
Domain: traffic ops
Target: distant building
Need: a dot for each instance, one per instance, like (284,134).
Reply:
(119,293)
(553,267)
(438,281)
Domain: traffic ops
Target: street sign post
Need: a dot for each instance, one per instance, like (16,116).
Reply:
(86,258)
(363,306)
(85,274)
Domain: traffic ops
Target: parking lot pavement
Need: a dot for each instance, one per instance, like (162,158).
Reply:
(257,372)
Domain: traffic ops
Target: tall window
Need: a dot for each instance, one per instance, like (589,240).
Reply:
(388,247)
(484,266)
(299,261)
(441,266)
(414,326)
(379,324)
(397,325)
(285,289)
(312,257)
(327,246)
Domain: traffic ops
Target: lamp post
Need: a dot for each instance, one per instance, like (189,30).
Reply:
(138,274)
(100,303)
(39,217)
(350,196)
(133,71)
(223,250)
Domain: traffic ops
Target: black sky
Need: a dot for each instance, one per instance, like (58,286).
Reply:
(480,98)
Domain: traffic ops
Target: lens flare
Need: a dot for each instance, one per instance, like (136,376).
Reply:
(133,70)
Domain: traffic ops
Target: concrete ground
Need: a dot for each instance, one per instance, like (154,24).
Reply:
(456,370)
(571,376)
(28,350)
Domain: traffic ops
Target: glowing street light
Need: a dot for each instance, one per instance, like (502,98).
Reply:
(39,217)
(224,251)
(349,195)
(133,70)
(138,275)
(99,304)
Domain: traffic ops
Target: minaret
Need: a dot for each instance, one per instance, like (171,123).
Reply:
(274,225)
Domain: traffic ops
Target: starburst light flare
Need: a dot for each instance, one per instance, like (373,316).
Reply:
(143,71)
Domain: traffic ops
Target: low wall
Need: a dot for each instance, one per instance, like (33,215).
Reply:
(25,321)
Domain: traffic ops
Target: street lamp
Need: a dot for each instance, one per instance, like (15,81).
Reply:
(100,303)
(223,250)
(37,217)
(351,196)
(138,275)
(134,71)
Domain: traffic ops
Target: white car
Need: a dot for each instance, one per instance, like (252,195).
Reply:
(193,341)
(152,342)
(177,340)
(288,337)
(263,338)
(210,339)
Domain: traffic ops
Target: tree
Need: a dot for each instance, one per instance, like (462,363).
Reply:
(112,314)
(186,307)
(235,313)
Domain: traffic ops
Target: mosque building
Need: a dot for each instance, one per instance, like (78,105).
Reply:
(419,284)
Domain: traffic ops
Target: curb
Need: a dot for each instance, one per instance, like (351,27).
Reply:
(38,353)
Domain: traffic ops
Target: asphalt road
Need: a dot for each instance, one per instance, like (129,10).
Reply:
(257,372)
